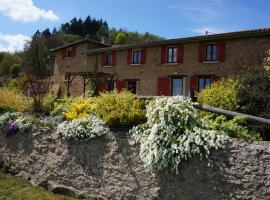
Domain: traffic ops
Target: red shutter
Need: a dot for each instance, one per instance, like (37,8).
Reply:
(101,86)
(201,53)
(120,85)
(113,59)
(163,87)
(103,59)
(74,51)
(63,54)
(214,78)
(180,54)
(194,83)
(163,54)
(221,51)
(143,61)
(129,55)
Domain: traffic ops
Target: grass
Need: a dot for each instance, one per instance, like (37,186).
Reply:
(13,188)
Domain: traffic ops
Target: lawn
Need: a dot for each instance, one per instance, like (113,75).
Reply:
(13,188)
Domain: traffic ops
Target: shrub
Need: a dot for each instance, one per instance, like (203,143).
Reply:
(174,132)
(15,85)
(79,109)
(11,100)
(48,103)
(15,69)
(222,94)
(85,128)
(120,109)
(236,128)
(254,98)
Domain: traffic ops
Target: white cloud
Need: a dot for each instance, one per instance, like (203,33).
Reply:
(12,43)
(25,10)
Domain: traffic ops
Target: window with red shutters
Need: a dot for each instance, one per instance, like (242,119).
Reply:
(73,51)
(194,83)
(163,54)
(180,54)
(163,86)
(63,54)
(221,51)
(120,85)
(129,56)
(143,60)
(202,53)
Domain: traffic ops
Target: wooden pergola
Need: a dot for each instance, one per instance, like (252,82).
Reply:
(87,77)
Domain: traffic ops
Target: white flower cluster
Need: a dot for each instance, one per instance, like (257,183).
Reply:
(174,132)
(21,121)
(85,128)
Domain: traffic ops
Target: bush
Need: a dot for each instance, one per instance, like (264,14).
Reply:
(11,100)
(85,128)
(174,132)
(120,109)
(236,128)
(254,98)
(222,94)
(79,109)
(48,103)
(15,85)
(15,69)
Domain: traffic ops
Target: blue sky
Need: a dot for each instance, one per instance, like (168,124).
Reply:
(19,19)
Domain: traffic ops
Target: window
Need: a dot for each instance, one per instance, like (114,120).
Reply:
(136,56)
(132,86)
(171,55)
(177,86)
(203,81)
(108,59)
(212,52)
(69,53)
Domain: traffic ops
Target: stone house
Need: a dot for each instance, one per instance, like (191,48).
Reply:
(164,67)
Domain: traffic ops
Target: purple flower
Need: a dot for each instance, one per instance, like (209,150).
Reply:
(9,128)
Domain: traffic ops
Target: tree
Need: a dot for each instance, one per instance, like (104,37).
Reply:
(121,38)
(15,69)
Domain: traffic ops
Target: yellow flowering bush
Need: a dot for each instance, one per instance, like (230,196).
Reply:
(80,109)
(120,109)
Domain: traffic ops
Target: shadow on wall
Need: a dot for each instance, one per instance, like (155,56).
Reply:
(198,180)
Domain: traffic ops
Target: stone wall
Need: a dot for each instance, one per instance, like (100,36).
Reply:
(109,168)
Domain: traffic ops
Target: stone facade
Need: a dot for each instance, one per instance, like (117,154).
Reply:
(109,167)
(241,54)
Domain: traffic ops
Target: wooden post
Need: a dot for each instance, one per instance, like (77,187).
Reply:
(68,82)
(84,86)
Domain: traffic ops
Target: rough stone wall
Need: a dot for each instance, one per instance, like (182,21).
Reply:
(109,168)
(241,55)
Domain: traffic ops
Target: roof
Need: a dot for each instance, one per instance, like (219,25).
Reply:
(236,34)
(80,41)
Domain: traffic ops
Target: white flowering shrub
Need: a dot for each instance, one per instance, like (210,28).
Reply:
(84,128)
(20,120)
(174,132)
